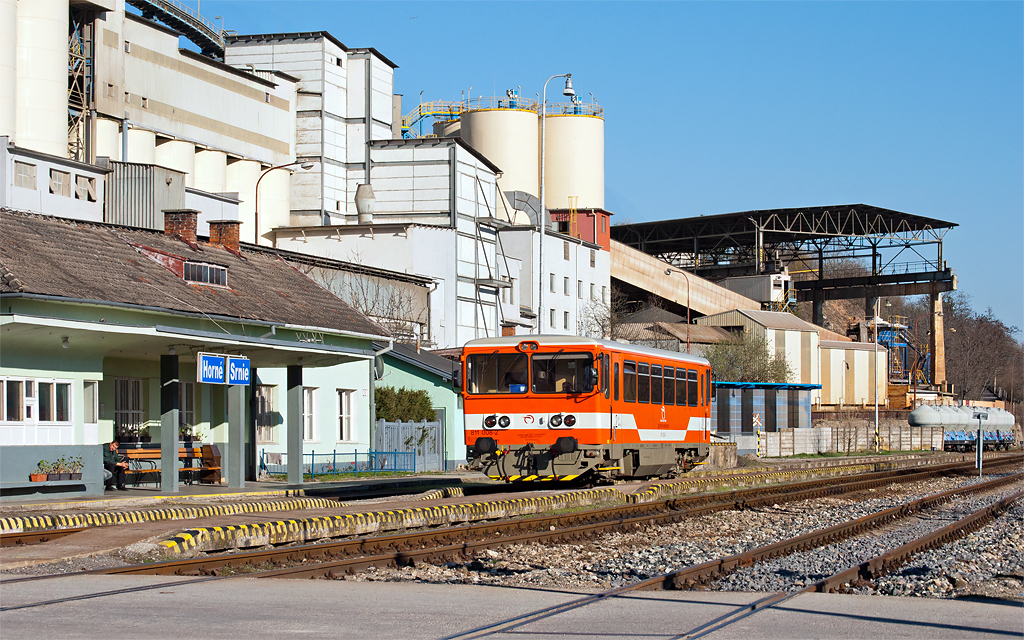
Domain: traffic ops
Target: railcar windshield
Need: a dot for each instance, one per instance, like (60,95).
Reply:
(562,372)
(496,373)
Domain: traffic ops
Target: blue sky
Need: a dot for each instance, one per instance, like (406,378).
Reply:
(730,106)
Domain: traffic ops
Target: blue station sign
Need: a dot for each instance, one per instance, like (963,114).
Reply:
(238,370)
(216,368)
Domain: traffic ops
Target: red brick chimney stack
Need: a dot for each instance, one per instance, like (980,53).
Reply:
(225,233)
(181,223)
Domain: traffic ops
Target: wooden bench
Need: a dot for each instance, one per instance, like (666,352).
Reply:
(207,470)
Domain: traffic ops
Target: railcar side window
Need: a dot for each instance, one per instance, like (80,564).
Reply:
(496,373)
(616,381)
(605,375)
(708,387)
(691,387)
(656,384)
(670,385)
(643,382)
(629,381)
(703,397)
(561,372)
(681,387)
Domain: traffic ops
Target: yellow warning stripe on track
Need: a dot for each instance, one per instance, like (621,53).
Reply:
(25,524)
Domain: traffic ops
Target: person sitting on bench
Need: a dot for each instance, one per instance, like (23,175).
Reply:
(116,467)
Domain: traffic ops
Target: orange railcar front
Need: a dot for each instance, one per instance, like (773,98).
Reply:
(559,407)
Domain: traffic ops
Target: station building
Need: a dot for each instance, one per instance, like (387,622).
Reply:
(103,326)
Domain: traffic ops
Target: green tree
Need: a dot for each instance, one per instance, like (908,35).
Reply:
(402,404)
(747,358)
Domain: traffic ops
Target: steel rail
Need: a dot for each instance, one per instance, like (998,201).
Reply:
(417,546)
(699,575)
(35,537)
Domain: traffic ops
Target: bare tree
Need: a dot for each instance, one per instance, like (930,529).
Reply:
(747,358)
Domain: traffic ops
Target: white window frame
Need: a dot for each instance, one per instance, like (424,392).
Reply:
(85,188)
(20,404)
(24,175)
(51,391)
(60,182)
(309,398)
(94,405)
(346,414)
(264,414)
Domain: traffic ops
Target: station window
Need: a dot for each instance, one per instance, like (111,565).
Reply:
(643,382)
(670,386)
(129,415)
(263,395)
(629,381)
(186,407)
(90,400)
(309,414)
(345,406)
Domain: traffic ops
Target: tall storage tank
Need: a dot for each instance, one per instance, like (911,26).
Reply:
(574,162)
(509,136)
(42,76)
(8,66)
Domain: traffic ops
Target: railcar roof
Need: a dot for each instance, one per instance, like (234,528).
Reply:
(576,341)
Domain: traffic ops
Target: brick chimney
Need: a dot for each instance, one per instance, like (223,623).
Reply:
(181,223)
(225,233)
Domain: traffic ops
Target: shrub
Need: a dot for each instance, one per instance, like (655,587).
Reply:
(402,404)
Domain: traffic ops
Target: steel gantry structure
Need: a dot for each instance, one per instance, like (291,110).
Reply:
(905,250)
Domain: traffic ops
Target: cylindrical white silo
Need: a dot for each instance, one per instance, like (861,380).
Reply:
(141,146)
(8,67)
(574,162)
(241,177)
(178,155)
(510,138)
(448,129)
(274,204)
(108,138)
(211,171)
(42,76)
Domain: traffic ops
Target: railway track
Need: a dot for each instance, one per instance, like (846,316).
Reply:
(843,581)
(331,560)
(37,537)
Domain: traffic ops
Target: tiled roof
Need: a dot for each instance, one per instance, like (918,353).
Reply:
(98,262)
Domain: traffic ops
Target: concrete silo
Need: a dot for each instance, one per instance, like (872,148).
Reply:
(42,76)
(8,66)
(574,163)
(507,131)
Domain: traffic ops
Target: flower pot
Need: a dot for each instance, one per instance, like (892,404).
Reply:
(52,477)
(145,438)
(76,476)
(37,477)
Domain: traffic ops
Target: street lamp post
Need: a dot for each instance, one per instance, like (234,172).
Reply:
(669,272)
(256,211)
(567,91)
(874,376)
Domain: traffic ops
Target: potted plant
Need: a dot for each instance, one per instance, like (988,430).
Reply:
(52,474)
(129,438)
(76,468)
(62,469)
(42,469)
(144,435)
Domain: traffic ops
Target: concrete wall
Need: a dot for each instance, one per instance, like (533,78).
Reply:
(16,463)
(851,436)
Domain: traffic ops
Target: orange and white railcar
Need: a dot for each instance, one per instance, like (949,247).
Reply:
(564,407)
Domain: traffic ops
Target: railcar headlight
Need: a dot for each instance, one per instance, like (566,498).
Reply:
(490,421)
(570,420)
(504,421)
(555,421)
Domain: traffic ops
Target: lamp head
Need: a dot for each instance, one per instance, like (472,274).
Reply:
(64,342)
(306,166)
(568,90)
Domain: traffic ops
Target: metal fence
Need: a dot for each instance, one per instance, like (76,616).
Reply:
(424,440)
(370,463)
